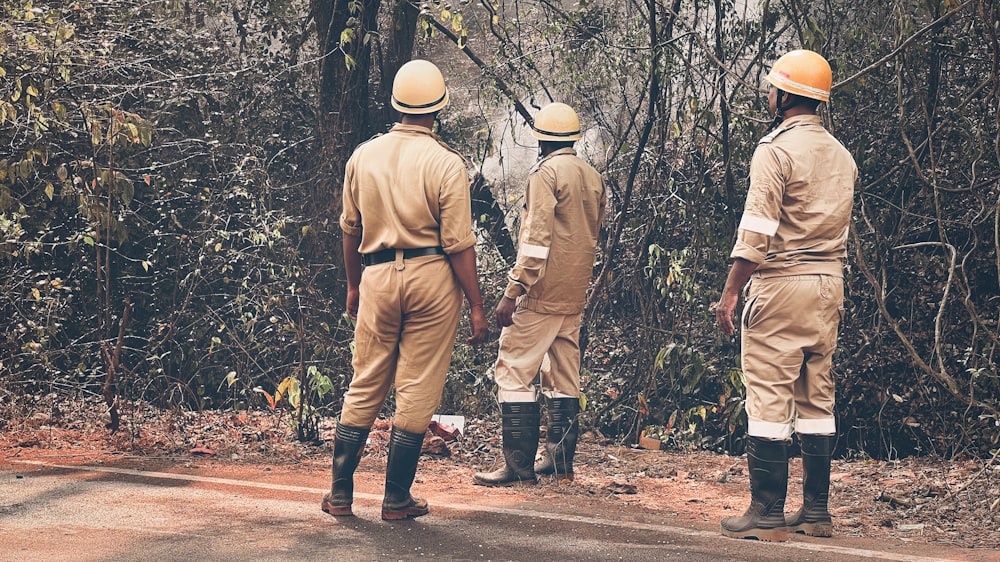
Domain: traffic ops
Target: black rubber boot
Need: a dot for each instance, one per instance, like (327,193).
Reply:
(561,435)
(348,444)
(401,468)
(765,518)
(520,442)
(814,518)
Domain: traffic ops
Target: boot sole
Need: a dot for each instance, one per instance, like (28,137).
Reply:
(558,476)
(337,510)
(820,529)
(405,513)
(506,484)
(770,535)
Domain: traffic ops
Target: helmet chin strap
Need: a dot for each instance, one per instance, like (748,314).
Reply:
(779,111)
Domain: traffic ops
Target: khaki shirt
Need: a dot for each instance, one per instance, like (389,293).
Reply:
(798,207)
(563,210)
(407,189)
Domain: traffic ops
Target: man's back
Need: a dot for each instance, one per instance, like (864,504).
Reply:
(812,175)
(409,190)
(575,192)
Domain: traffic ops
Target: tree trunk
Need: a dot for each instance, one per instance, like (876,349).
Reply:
(342,118)
(396,51)
(491,218)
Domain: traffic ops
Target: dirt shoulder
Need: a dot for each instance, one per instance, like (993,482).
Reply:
(929,501)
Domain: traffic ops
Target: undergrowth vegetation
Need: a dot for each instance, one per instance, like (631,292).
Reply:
(169,188)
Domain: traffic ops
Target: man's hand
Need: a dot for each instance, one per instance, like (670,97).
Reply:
(352,264)
(480,328)
(353,297)
(505,312)
(725,311)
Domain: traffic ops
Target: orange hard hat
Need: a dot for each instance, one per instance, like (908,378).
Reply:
(803,73)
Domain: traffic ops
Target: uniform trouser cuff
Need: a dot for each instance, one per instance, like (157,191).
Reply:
(769,430)
(819,426)
(517,396)
(557,394)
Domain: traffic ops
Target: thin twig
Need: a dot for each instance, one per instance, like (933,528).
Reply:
(969,482)
(902,46)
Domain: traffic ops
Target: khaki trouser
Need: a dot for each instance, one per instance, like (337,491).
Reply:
(531,340)
(405,335)
(789,335)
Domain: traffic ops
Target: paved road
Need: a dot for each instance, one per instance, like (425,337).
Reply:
(54,513)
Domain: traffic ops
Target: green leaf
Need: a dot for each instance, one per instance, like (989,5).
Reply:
(88,240)
(50,190)
(346,36)
(145,134)
(350,62)
(126,187)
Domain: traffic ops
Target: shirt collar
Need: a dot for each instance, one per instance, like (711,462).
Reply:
(806,119)
(401,128)
(567,150)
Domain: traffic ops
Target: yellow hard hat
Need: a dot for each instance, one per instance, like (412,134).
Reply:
(803,73)
(419,88)
(556,122)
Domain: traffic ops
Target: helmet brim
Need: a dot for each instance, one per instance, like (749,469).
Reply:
(782,83)
(423,109)
(555,137)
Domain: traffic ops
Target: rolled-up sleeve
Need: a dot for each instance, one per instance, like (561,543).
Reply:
(762,211)
(350,216)
(536,233)
(456,212)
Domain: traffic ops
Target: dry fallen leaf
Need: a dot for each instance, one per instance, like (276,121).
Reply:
(619,488)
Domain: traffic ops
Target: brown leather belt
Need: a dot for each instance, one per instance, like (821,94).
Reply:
(383,256)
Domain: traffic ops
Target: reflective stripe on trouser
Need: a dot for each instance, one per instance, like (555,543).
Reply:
(524,346)
(405,336)
(789,334)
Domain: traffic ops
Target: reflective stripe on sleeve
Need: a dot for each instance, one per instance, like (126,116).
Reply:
(760,225)
(532,251)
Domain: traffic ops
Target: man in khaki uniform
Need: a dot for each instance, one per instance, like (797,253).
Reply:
(407,218)
(542,307)
(790,256)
